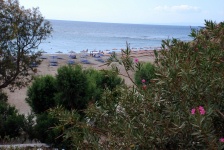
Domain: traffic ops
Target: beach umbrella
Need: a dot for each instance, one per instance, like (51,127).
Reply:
(42,51)
(58,52)
(71,52)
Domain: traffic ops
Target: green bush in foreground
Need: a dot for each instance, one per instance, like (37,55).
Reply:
(11,122)
(45,133)
(182,108)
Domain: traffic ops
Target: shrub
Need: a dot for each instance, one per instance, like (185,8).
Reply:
(40,95)
(98,81)
(44,131)
(146,72)
(11,122)
(29,124)
(94,80)
(182,107)
(3,97)
(73,133)
(72,88)
(111,80)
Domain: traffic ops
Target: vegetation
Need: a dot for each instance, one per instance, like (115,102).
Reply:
(45,133)
(176,103)
(181,108)
(145,73)
(11,123)
(73,88)
(21,31)
(40,96)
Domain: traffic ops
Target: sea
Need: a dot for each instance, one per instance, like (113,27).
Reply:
(78,36)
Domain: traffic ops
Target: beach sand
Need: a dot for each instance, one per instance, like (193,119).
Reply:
(17,98)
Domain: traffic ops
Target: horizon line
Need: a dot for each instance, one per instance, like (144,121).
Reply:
(168,24)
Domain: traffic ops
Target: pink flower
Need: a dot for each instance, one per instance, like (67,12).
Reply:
(136,60)
(221,140)
(201,110)
(193,111)
(143,80)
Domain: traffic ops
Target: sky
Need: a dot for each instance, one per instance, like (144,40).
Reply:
(161,12)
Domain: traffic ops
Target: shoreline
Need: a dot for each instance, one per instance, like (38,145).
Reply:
(104,51)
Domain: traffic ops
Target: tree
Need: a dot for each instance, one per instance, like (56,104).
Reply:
(21,32)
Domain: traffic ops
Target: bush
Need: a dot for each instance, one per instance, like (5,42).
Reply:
(72,88)
(94,80)
(40,95)
(29,124)
(180,109)
(111,80)
(146,72)
(11,123)
(98,81)
(3,97)
(45,132)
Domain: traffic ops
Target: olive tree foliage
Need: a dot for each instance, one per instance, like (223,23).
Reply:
(21,32)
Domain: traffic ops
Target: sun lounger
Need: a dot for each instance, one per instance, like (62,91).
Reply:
(85,61)
(100,60)
(70,62)
(53,62)
(43,57)
(84,56)
(53,57)
(72,56)
(96,56)
(59,57)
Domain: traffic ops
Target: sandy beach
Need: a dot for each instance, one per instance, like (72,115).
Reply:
(17,98)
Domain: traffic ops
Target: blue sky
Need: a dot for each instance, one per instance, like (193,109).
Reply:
(167,12)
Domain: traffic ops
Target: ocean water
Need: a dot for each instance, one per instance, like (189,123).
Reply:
(78,36)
